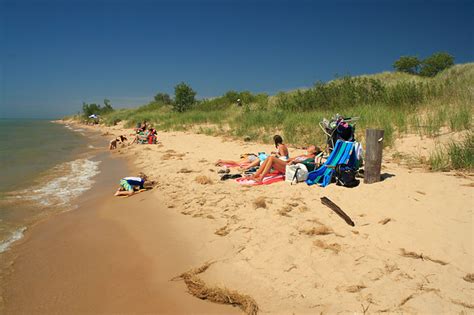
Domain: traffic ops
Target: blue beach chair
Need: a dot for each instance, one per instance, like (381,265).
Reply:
(343,153)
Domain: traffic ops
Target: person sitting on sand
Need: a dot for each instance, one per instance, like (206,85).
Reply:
(131,185)
(119,139)
(141,137)
(273,162)
(141,127)
(152,136)
(282,152)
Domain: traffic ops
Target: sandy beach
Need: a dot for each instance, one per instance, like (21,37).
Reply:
(411,249)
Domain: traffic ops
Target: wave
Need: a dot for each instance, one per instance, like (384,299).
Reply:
(63,183)
(15,236)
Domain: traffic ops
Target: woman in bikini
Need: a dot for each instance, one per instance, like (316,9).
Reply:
(273,162)
(282,151)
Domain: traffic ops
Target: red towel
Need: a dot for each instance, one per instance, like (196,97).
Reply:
(267,180)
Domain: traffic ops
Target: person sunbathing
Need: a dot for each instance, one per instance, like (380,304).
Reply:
(273,162)
(244,160)
(132,185)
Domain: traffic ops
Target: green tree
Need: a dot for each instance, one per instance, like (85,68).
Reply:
(231,97)
(183,97)
(89,109)
(163,98)
(107,107)
(408,64)
(436,63)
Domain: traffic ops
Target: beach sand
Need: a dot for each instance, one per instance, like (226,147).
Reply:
(110,255)
(411,249)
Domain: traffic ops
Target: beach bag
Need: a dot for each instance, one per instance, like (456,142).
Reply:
(345,176)
(296,173)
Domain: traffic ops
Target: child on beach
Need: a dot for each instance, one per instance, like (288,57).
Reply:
(119,139)
(131,185)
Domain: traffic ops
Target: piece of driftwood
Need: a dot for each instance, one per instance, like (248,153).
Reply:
(331,205)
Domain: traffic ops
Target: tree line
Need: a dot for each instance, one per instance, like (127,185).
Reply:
(427,67)
(185,97)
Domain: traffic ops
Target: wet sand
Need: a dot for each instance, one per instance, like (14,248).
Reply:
(111,255)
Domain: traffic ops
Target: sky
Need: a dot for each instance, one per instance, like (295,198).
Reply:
(55,55)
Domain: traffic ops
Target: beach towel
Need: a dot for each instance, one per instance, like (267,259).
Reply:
(340,155)
(270,178)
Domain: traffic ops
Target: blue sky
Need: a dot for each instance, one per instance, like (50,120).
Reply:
(56,54)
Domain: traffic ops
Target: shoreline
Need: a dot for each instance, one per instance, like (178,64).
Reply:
(269,252)
(99,240)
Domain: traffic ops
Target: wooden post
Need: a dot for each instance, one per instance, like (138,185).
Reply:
(373,155)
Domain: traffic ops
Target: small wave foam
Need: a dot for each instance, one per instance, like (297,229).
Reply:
(15,236)
(64,183)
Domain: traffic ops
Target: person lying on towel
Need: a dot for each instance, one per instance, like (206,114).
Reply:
(273,162)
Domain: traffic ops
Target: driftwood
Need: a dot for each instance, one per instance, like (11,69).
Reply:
(331,205)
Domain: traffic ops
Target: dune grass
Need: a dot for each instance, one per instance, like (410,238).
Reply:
(396,102)
(455,155)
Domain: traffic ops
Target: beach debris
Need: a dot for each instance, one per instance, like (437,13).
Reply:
(405,300)
(293,266)
(391,268)
(185,171)
(303,208)
(467,305)
(331,205)
(335,247)
(469,277)
(285,210)
(414,255)
(385,221)
(260,202)
(355,288)
(319,230)
(421,192)
(198,288)
(223,231)
(203,180)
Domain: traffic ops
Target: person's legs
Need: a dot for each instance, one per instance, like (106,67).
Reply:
(125,189)
(253,164)
(124,192)
(260,169)
(229,162)
(270,162)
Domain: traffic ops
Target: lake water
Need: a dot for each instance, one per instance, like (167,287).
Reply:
(45,166)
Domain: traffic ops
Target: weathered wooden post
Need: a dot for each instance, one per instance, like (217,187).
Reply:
(373,155)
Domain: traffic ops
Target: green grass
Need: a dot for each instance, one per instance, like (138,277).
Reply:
(456,155)
(396,102)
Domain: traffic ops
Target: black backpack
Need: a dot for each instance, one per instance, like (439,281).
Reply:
(345,176)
